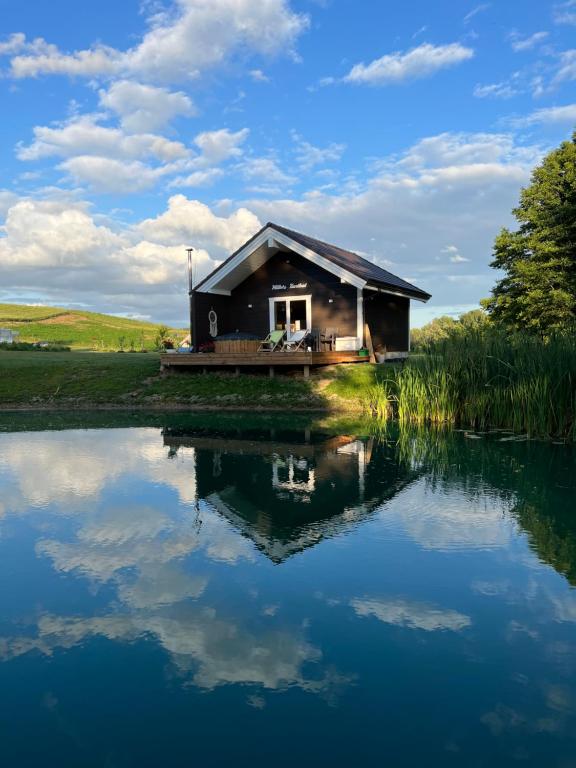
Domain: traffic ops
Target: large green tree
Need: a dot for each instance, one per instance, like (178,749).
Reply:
(538,290)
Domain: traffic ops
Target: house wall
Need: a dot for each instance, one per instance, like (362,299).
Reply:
(284,268)
(204,302)
(388,318)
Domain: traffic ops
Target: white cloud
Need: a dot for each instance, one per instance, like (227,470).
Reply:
(15,43)
(267,169)
(454,254)
(455,188)
(520,43)
(107,159)
(399,67)
(258,76)
(190,221)
(183,41)
(197,178)
(565,13)
(7,200)
(495,91)
(221,145)
(145,108)
(52,234)
(450,188)
(84,136)
(57,249)
(405,613)
(475,11)
(550,115)
(567,67)
(100,60)
(309,156)
(106,174)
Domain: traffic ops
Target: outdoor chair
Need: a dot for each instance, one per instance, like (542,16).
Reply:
(272,342)
(297,342)
(328,337)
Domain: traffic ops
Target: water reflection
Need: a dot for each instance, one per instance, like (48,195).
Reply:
(286,572)
(287,490)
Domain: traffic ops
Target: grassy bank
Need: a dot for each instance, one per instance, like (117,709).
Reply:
(79,329)
(79,379)
(480,379)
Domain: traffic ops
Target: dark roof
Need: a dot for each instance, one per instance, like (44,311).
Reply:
(354,263)
(357,265)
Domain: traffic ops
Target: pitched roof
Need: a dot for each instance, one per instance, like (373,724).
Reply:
(347,260)
(372,273)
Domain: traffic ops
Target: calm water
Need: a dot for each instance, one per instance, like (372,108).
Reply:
(179,592)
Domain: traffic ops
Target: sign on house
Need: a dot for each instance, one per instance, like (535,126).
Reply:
(291,286)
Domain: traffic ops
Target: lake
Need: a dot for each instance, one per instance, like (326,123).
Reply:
(202,591)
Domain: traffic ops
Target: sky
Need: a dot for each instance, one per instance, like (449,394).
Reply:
(401,130)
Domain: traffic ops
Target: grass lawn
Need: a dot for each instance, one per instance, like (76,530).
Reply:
(43,378)
(33,376)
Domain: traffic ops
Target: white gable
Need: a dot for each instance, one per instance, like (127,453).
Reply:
(256,253)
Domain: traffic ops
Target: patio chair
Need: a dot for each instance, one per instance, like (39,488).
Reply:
(328,337)
(272,342)
(297,342)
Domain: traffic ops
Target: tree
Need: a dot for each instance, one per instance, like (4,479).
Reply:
(445,326)
(161,337)
(538,290)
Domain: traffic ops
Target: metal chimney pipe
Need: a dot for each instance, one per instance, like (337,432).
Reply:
(192,301)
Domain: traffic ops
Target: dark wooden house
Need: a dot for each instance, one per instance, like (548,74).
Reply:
(282,279)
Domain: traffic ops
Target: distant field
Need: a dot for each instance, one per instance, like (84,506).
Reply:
(79,329)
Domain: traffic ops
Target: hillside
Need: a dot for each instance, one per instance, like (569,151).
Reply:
(79,329)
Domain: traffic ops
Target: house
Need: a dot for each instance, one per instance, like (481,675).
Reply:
(284,280)
(8,336)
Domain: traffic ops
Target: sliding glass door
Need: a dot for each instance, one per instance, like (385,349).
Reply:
(291,314)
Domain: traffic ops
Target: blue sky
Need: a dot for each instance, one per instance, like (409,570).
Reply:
(403,131)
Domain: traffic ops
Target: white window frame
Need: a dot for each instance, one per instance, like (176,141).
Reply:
(272,310)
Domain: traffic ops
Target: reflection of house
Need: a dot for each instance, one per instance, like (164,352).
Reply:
(288,490)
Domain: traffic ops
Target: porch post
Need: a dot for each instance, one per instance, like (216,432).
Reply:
(360,316)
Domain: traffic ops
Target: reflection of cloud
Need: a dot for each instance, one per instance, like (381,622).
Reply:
(116,526)
(72,468)
(103,561)
(453,520)
(404,613)
(161,585)
(220,651)
(501,719)
(564,606)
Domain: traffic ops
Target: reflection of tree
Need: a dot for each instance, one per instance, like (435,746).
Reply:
(537,479)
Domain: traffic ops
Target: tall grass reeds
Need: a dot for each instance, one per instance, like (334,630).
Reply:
(485,378)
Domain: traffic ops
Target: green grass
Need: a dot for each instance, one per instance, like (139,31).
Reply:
(481,379)
(82,378)
(28,377)
(78,329)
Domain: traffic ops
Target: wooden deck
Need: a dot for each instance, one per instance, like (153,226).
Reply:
(270,360)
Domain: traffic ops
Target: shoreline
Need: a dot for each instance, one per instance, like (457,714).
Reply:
(172,406)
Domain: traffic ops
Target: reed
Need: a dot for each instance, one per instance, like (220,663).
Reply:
(485,378)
